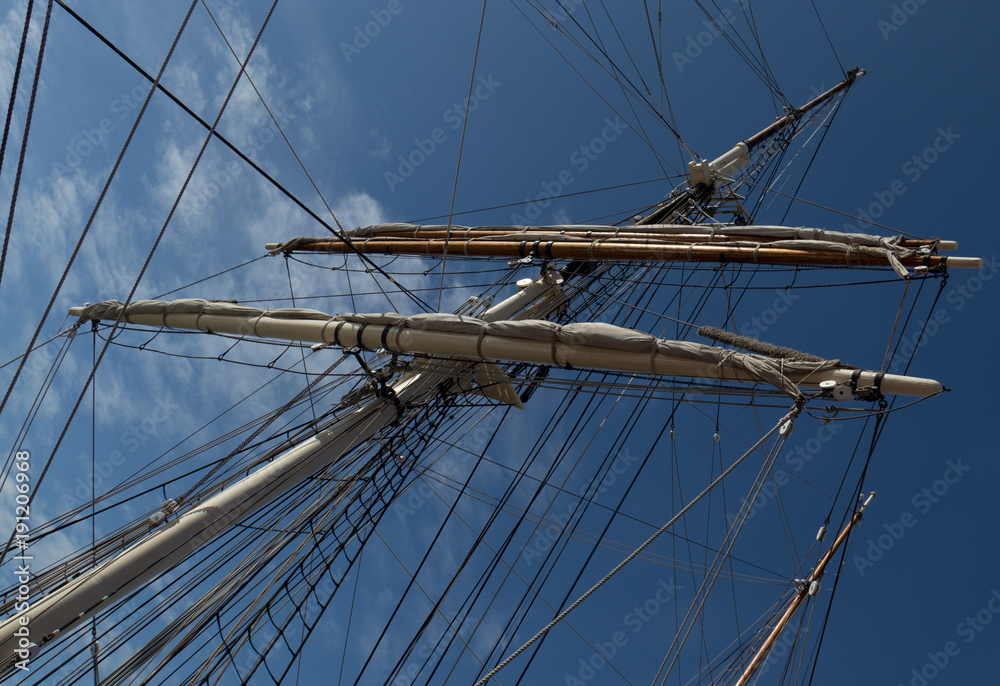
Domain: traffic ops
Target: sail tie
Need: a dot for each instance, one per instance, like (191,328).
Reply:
(479,342)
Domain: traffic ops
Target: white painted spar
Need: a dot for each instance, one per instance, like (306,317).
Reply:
(485,346)
(177,539)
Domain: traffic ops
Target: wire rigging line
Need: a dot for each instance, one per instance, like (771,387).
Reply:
(253,165)
(13,92)
(76,250)
(642,129)
(27,120)
(826,125)
(761,68)
(828,39)
(597,92)
(208,278)
(551,197)
(615,71)
(343,237)
(461,147)
(635,553)
(895,323)
(273,118)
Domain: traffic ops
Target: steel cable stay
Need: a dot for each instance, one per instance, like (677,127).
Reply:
(436,611)
(575,514)
(151,470)
(420,566)
(213,133)
(825,127)
(828,39)
(593,539)
(652,109)
(559,196)
(497,554)
(612,68)
(820,129)
(245,604)
(751,20)
(628,53)
(555,553)
(27,122)
(36,404)
(69,263)
(416,299)
(635,553)
(761,69)
(603,476)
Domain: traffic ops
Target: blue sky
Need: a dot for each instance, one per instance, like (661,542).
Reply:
(373,96)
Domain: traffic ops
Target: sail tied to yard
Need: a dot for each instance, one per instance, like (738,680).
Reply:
(686,242)
(397,503)
(590,345)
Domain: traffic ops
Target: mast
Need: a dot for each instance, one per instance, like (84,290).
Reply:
(793,116)
(558,468)
(705,173)
(808,587)
(650,238)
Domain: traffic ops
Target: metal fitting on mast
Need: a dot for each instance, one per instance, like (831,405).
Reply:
(705,173)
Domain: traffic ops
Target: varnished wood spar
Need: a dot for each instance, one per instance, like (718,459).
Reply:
(624,232)
(803,592)
(646,251)
(796,114)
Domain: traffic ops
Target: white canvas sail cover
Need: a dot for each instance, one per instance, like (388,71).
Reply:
(856,245)
(584,345)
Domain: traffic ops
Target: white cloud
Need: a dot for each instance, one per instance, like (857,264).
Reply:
(382,146)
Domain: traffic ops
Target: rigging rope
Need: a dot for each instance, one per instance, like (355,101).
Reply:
(828,39)
(76,250)
(461,147)
(27,119)
(253,165)
(895,323)
(708,489)
(13,94)
(305,392)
